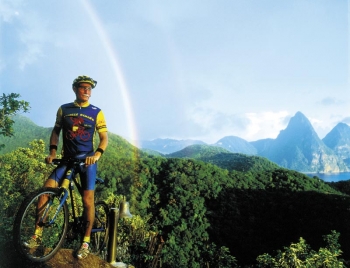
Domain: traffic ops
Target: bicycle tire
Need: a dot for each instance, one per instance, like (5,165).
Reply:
(99,239)
(52,237)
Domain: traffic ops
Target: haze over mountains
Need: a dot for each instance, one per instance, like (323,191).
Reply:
(297,147)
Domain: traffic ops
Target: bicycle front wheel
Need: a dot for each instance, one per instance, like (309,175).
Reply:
(100,230)
(39,211)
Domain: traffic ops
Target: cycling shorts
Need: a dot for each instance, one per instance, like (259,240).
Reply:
(87,175)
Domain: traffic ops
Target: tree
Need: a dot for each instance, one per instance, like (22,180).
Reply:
(300,255)
(10,106)
(21,172)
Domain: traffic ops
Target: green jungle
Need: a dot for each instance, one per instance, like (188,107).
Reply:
(211,208)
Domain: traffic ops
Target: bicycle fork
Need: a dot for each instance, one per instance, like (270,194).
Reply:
(44,215)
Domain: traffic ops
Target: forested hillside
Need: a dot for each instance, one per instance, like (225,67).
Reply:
(25,131)
(225,159)
(209,212)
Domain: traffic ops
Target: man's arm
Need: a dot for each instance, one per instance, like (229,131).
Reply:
(102,145)
(54,138)
(103,141)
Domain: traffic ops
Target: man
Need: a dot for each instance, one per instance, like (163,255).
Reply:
(79,121)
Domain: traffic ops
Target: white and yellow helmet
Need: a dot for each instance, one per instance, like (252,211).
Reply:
(84,79)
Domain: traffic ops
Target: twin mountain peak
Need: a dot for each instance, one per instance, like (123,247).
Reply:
(297,147)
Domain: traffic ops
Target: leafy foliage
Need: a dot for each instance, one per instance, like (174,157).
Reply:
(9,106)
(219,257)
(301,255)
(21,172)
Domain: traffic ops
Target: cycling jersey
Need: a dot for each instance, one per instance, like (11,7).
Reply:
(79,124)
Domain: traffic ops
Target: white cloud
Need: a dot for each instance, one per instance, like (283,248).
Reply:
(8,9)
(324,125)
(30,55)
(346,120)
(265,124)
(331,101)
(28,33)
(214,125)
(34,36)
(315,121)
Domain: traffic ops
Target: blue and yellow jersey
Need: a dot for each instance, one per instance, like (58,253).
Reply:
(79,125)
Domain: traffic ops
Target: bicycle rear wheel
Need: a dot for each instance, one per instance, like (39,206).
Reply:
(53,235)
(100,230)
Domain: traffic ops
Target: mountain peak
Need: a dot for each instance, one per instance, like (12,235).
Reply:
(299,114)
(299,126)
(301,120)
(339,136)
(299,147)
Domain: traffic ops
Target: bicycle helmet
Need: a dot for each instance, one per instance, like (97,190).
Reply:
(84,79)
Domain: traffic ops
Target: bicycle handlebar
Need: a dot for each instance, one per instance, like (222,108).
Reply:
(72,161)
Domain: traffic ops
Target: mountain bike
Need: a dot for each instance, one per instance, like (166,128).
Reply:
(58,223)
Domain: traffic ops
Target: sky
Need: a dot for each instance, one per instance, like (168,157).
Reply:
(199,69)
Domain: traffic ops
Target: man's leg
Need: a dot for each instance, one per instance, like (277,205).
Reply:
(35,239)
(88,178)
(89,210)
(89,217)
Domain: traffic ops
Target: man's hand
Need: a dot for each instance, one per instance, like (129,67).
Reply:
(49,158)
(92,159)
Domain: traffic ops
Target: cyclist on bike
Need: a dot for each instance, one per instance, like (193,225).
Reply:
(79,121)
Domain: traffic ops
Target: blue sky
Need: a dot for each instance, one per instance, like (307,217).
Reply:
(182,69)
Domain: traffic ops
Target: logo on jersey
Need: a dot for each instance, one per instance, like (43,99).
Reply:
(78,129)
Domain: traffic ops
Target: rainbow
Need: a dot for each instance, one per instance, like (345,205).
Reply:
(112,56)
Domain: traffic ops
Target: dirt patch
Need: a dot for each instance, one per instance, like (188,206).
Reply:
(63,259)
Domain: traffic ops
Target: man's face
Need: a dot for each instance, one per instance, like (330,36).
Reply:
(83,92)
